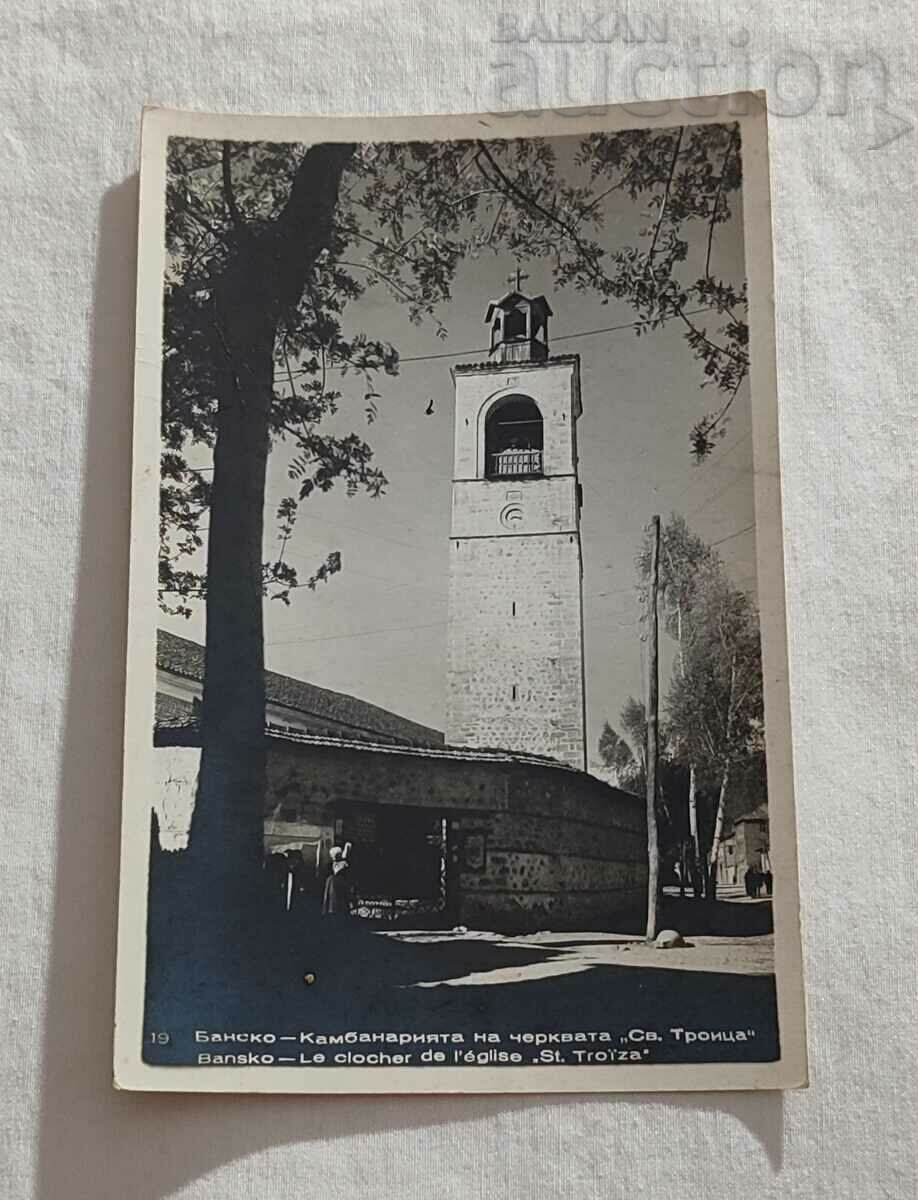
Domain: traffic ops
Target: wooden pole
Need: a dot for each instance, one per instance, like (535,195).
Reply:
(653,652)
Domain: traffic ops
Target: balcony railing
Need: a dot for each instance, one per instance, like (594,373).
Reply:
(515,463)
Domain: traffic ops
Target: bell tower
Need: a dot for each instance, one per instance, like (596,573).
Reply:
(515,639)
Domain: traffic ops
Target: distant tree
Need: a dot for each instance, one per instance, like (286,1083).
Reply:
(715,700)
(714,703)
(685,560)
(625,755)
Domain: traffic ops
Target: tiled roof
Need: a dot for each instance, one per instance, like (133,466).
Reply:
(463,753)
(183,657)
(171,712)
(189,734)
(514,366)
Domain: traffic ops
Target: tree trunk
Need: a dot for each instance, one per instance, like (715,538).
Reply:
(227,823)
(697,859)
(698,888)
(653,846)
(261,285)
(718,832)
(711,862)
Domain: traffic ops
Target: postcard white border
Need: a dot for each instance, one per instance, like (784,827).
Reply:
(130,1072)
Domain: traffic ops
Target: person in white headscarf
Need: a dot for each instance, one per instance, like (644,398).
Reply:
(336,897)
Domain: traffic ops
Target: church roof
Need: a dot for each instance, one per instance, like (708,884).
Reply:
(189,735)
(463,753)
(180,656)
(514,297)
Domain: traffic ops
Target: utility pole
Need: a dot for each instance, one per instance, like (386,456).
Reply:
(653,740)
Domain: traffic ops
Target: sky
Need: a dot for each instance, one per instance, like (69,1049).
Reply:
(377,629)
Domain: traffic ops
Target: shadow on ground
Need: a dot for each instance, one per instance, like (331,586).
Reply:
(367,980)
(717,918)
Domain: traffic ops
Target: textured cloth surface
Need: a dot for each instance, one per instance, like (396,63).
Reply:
(73,80)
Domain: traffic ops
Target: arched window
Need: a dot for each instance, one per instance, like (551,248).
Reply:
(513,439)
(514,324)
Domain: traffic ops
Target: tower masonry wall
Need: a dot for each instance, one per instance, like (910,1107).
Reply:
(509,507)
(515,645)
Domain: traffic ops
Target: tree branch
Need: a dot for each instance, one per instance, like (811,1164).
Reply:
(716,204)
(228,191)
(708,427)
(588,256)
(500,213)
(531,202)
(593,205)
(740,358)
(648,265)
(396,250)
(201,219)
(287,365)
(382,275)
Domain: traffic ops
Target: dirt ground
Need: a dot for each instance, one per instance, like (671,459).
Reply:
(307,972)
(733,937)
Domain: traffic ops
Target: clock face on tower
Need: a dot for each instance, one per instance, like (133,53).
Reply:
(511,515)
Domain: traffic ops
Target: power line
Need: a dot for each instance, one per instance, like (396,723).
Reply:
(564,337)
(632,588)
(367,533)
(336,637)
(732,535)
(740,475)
(607,502)
(348,601)
(708,467)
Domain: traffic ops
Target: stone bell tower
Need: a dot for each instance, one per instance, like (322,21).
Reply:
(515,639)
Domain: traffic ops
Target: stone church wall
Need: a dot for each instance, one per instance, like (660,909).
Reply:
(531,845)
(567,851)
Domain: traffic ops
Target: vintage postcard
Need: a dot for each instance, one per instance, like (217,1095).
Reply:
(457,748)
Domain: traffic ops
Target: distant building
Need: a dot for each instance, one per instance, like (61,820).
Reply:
(745,848)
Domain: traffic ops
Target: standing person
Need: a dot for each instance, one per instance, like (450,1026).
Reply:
(299,872)
(338,884)
(276,876)
(294,861)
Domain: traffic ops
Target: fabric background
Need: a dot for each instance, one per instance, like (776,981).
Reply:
(844,158)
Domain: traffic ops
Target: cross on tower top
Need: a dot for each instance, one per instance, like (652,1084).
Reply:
(519,324)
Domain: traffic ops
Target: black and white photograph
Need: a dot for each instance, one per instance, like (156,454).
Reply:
(457,750)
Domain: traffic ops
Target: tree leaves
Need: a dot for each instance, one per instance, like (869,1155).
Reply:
(714,714)
(715,701)
(406,216)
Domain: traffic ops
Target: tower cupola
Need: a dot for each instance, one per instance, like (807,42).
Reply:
(518,324)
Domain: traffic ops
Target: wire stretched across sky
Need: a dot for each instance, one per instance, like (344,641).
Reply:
(562,337)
